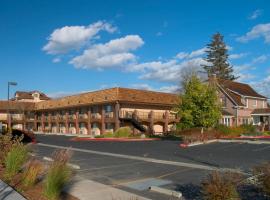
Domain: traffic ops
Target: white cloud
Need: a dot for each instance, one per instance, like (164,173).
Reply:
(260,30)
(115,53)
(237,56)
(167,71)
(67,38)
(193,54)
(167,89)
(255,14)
(260,59)
(262,86)
(56,60)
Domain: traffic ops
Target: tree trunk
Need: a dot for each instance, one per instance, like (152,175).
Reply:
(202,134)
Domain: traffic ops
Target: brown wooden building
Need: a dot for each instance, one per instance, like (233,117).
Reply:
(92,113)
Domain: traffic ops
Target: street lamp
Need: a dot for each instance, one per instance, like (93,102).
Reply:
(10,83)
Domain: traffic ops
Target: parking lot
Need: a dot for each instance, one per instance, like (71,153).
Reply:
(134,166)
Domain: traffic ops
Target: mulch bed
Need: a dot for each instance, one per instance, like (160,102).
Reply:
(33,193)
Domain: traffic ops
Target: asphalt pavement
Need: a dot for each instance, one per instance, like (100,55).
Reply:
(132,166)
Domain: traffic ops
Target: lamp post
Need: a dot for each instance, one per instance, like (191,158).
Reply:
(10,83)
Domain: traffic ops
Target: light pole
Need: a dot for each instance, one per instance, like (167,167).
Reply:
(10,83)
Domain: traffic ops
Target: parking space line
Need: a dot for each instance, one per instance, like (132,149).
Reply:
(109,167)
(263,148)
(152,160)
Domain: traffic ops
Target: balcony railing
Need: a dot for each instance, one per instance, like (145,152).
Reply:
(109,115)
(143,115)
(16,117)
(30,117)
(159,116)
(62,117)
(83,116)
(72,117)
(95,116)
(54,117)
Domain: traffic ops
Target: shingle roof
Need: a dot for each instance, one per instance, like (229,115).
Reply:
(110,95)
(28,95)
(16,105)
(261,111)
(241,88)
(226,113)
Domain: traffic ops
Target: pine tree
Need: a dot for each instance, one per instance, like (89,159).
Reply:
(217,58)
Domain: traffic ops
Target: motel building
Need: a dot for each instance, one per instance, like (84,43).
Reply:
(98,112)
(92,113)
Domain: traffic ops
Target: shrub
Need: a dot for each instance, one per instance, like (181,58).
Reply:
(262,172)
(221,186)
(58,174)
(108,135)
(32,169)
(14,160)
(248,128)
(123,132)
(225,130)
(6,143)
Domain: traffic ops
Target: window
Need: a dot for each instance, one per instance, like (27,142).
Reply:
(245,121)
(246,103)
(223,101)
(109,126)
(94,109)
(255,103)
(226,121)
(94,125)
(108,108)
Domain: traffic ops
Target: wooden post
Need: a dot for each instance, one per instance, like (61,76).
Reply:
(77,122)
(89,131)
(166,123)
(102,120)
(116,116)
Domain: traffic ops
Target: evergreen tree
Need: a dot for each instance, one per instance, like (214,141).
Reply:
(199,104)
(217,58)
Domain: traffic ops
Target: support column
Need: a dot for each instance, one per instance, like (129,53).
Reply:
(268,122)
(9,121)
(77,122)
(166,123)
(102,120)
(135,115)
(151,122)
(57,123)
(50,122)
(42,123)
(89,122)
(35,122)
(66,121)
(116,115)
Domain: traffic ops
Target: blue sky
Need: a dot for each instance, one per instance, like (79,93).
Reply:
(66,47)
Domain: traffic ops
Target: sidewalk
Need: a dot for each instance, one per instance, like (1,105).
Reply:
(84,189)
(8,193)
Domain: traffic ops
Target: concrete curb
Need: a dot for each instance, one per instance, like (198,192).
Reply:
(168,192)
(68,164)
(8,193)
(244,141)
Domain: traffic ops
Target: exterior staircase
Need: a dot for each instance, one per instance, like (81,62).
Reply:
(130,117)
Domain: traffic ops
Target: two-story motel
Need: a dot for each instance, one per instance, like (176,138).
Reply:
(102,111)
(91,113)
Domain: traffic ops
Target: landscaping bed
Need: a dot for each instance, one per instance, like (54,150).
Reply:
(32,178)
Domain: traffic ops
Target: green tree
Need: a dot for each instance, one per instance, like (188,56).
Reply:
(199,105)
(217,59)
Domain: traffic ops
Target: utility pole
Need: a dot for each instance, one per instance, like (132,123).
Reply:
(10,83)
